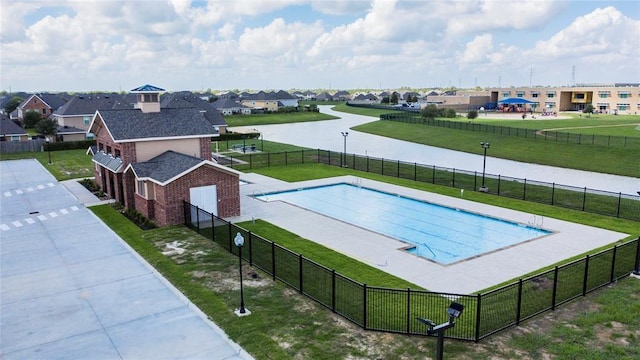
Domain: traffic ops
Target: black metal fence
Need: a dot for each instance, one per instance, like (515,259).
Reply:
(396,310)
(625,206)
(556,136)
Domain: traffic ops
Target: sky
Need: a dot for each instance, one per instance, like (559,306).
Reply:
(114,45)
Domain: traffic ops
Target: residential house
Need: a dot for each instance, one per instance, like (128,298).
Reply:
(260,101)
(342,95)
(10,131)
(74,117)
(186,99)
(152,158)
(44,104)
(325,96)
(228,106)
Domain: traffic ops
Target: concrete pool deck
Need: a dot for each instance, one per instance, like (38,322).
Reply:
(464,277)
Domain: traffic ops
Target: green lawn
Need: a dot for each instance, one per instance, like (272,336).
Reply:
(66,164)
(604,159)
(279,118)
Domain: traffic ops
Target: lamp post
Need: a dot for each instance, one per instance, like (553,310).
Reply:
(344,152)
(454,311)
(239,241)
(485,146)
(48,141)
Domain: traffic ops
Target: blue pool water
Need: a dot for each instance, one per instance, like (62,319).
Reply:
(435,232)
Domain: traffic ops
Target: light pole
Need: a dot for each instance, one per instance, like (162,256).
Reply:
(48,141)
(344,153)
(454,311)
(485,146)
(239,241)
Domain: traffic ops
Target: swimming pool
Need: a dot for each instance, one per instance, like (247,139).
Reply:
(438,233)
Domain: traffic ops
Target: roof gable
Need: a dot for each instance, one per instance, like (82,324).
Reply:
(169,166)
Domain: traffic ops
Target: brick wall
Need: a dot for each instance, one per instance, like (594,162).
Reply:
(168,206)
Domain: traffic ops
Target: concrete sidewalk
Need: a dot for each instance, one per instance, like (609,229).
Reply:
(72,289)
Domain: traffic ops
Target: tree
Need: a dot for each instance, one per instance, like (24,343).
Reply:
(12,104)
(472,114)
(31,118)
(47,127)
(394,98)
(385,100)
(588,110)
(430,111)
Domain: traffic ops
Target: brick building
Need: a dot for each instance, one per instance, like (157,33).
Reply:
(151,159)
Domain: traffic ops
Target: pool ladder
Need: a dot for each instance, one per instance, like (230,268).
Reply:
(428,247)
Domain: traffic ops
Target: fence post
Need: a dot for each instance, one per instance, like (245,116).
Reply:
(524,190)
(250,248)
(230,239)
(584,198)
(333,290)
(555,288)
(613,263)
(364,306)
(453,178)
(636,271)
(499,181)
(398,169)
(478,307)
(553,192)
(619,204)
(273,260)
(198,219)
(586,275)
(300,273)
(475,179)
(382,166)
(433,175)
(518,309)
(213,228)
(408,310)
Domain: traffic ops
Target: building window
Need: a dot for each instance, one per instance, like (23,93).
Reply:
(140,188)
(579,96)
(506,94)
(100,146)
(623,107)
(519,94)
(624,94)
(44,111)
(150,97)
(15,138)
(86,120)
(550,105)
(604,94)
(108,149)
(535,94)
(117,153)
(551,94)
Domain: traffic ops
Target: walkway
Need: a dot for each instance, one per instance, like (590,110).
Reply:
(72,289)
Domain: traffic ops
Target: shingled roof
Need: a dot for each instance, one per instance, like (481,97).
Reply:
(134,125)
(165,167)
(187,99)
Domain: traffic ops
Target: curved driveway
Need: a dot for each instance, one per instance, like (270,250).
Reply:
(327,135)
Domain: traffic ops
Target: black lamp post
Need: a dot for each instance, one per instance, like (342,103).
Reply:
(454,311)
(239,241)
(485,146)
(48,141)
(344,152)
